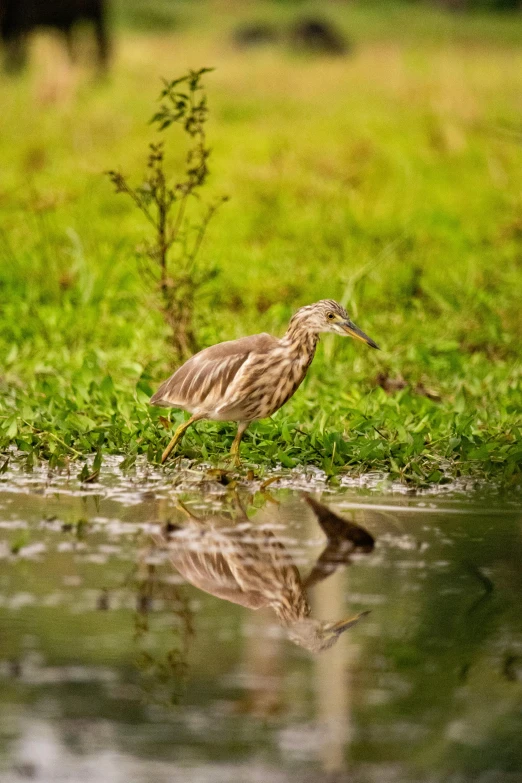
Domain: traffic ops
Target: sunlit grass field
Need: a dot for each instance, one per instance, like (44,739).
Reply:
(389,179)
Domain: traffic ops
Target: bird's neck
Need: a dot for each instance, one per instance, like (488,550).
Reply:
(300,340)
(291,607)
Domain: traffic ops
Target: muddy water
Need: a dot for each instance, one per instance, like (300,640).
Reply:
(170,627)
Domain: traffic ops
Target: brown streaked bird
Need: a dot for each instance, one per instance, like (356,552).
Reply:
(249,566)
(251,378)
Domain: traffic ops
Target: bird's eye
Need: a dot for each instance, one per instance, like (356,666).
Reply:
(330,316)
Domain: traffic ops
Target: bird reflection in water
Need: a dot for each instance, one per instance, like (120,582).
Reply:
(248,565)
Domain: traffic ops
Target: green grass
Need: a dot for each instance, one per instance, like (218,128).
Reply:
(390,180)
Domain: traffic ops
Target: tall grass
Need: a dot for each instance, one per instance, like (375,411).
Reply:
(390,180)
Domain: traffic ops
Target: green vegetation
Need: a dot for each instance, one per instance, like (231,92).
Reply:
(169,263)
(389,180)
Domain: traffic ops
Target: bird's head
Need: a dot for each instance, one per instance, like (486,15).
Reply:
(318,635)
(328,316)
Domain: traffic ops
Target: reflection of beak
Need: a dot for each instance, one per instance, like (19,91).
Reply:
(343,625)
(354,331)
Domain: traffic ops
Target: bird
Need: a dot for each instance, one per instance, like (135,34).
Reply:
(343,539)
(248,565)
(251,378)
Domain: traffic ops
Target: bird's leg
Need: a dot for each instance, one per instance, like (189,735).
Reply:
(234,451)
(177,436)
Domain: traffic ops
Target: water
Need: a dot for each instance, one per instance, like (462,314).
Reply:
(115,666)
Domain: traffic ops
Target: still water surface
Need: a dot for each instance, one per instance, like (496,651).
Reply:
(170,628)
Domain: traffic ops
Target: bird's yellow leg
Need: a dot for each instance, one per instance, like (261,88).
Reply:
(177,436)
(234,451)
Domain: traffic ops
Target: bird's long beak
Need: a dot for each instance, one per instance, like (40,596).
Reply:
(350,328)
(343,625)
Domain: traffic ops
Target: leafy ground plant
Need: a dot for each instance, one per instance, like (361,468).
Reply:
(169,261)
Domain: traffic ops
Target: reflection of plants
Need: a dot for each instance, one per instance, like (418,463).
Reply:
(21,540)
(455,650)
(163,676)
(169,262)
(78,527)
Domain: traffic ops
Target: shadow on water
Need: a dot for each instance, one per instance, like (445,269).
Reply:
(189,627)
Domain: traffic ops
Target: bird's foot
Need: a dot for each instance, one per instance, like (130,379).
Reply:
(234,458)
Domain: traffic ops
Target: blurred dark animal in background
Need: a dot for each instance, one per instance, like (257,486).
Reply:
(309,35)
(255,34)
(319,36)
(19,18)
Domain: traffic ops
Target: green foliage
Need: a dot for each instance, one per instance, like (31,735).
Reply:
(354,430)
(170,262)
(382,180)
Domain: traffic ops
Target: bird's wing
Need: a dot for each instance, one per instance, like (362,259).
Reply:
(210,572)
(263,567)
(219,563)
(204,378)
